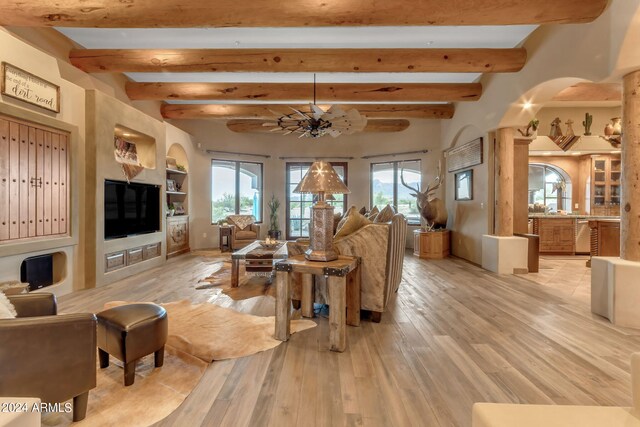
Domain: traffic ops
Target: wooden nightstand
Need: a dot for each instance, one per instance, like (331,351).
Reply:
(225,244)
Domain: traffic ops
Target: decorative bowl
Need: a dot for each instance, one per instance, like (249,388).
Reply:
(266,245)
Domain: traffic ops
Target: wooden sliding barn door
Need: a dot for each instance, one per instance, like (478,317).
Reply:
(34,176)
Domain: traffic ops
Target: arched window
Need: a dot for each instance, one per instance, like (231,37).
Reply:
(549,186)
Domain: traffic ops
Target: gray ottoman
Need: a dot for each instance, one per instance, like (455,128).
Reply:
(129,332)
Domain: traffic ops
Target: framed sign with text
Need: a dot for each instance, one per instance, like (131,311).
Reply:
(22,85)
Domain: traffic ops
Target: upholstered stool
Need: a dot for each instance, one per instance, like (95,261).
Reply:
(129,332)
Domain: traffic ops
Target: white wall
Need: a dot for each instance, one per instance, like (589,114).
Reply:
(214,135)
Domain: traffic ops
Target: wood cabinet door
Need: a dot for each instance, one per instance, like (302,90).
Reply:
(4,179)
(34,180)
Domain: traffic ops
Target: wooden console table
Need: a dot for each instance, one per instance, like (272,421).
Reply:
(344,295)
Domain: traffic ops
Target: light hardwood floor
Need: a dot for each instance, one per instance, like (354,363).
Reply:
(453,335)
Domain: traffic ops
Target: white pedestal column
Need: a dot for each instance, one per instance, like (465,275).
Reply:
(504,255)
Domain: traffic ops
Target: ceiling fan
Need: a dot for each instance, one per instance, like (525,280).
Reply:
(335,121)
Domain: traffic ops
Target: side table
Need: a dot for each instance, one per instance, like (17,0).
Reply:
(225,244)
(344,295)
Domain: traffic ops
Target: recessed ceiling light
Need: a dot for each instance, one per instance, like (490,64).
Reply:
(527,105)
(577,153)
(546,153)
(429,43)
(237,43)
(616,152)
(127,134)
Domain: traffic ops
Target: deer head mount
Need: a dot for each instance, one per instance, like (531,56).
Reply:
(431,208)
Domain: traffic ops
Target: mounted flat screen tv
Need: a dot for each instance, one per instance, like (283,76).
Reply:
(130,209)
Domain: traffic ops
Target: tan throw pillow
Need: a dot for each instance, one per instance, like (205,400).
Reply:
(385,214)
(374,212)
(352,223)
(344,217)
(241,221)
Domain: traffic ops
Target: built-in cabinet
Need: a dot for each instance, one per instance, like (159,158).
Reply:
(177,235)
(605,186)
(178,220)
(34,180)
(125,258)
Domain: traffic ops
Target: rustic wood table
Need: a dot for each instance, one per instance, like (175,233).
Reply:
(343,277)
(225,239)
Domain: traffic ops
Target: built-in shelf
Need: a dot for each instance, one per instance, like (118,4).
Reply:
(176,171)
(179,193)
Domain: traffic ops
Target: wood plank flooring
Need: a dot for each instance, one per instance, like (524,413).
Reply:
(453,335)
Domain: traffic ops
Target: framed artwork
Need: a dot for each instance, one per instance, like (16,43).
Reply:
(171,185)
(20,84)
(464,185)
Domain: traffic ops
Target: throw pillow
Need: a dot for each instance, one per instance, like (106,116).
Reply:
(353,222)
(374,212)
(344,218)
(7,310)
(241,221)
(363,210)
(385,214)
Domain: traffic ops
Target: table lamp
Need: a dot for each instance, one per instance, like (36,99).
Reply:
(322,180)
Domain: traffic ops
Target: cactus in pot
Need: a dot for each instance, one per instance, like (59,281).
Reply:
(588,119)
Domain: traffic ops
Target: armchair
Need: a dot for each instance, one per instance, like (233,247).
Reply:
(48,356)
(244,230)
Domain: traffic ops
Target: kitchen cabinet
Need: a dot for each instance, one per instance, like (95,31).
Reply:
(605,186)
(557,235)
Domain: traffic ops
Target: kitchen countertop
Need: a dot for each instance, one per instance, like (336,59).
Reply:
(588,217)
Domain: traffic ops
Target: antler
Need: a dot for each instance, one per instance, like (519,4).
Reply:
(416,189)
(438,181)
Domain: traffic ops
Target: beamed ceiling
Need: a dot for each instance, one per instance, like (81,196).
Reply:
(243,61)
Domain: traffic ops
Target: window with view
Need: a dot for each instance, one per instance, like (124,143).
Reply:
(549,188)
(236,188)
(299,205)
(387,188)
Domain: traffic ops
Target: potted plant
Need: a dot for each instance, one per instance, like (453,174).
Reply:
(171,210)
(274,229)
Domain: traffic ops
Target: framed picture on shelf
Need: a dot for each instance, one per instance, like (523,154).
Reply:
(171,185)
(464,185)
(179,208)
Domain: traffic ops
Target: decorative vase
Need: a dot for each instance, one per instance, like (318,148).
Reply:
(608,130)
(172,212)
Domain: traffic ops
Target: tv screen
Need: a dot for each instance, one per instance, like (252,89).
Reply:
(130,209)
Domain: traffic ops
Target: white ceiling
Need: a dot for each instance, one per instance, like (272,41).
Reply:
(317,37)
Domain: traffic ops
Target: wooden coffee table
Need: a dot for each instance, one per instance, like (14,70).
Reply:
(259,257)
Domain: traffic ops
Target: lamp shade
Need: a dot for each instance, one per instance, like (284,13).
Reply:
(321,178)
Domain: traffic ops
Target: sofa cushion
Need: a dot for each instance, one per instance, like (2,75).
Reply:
(352,223)
(344,217)
(385,214)
(241,221)
(246,235)
(7,310)
(373,213)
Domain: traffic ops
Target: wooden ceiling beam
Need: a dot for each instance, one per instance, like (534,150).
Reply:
(375,125)
(266,111)
(300,60)
(303,13)
(301,92)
